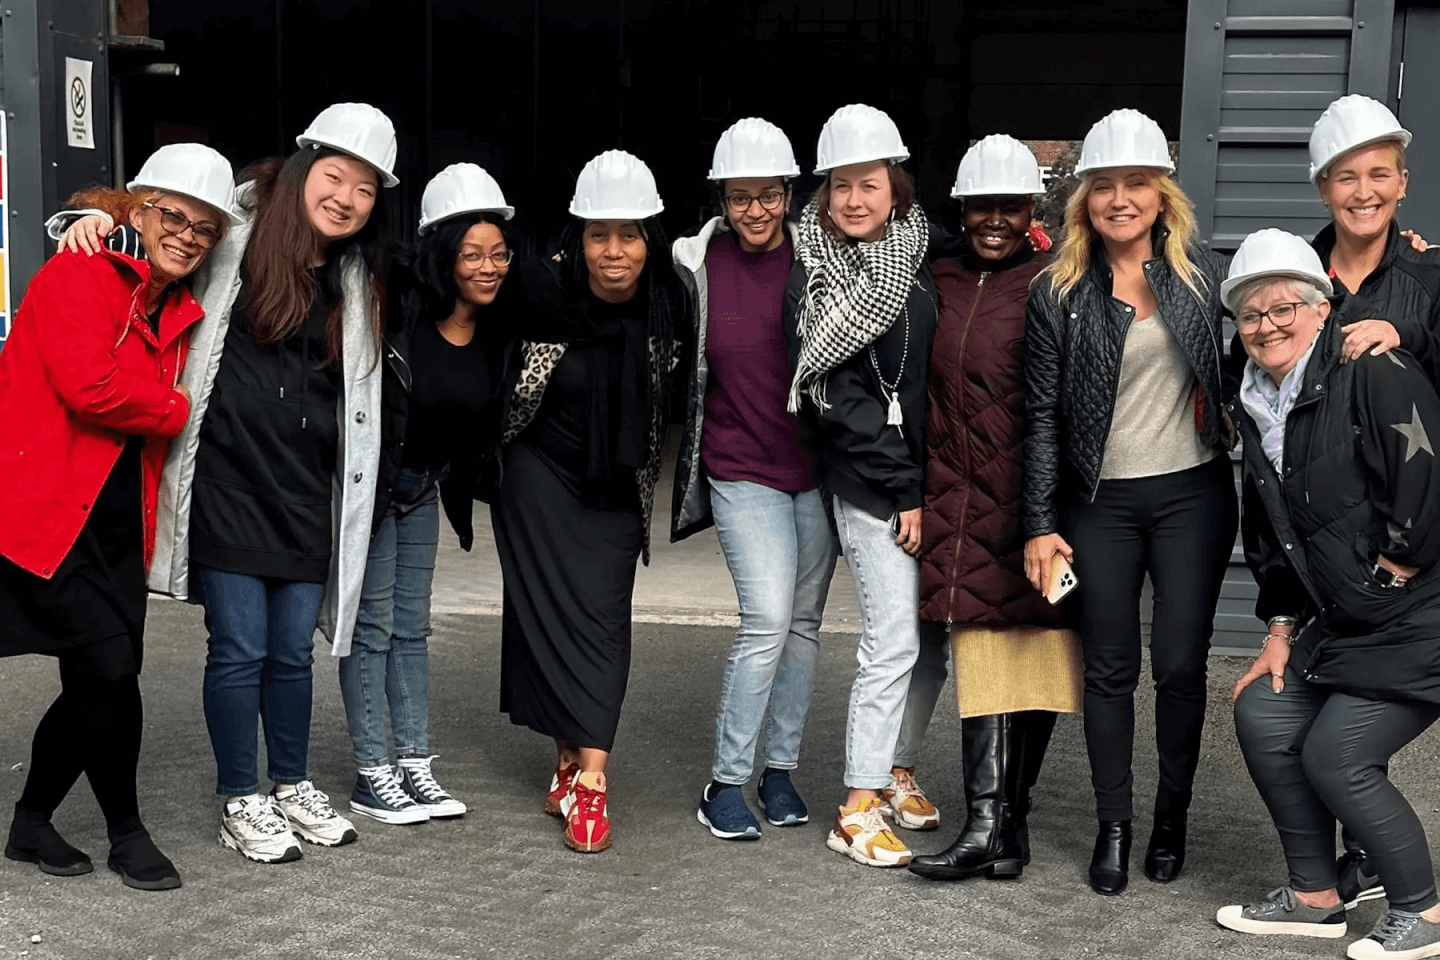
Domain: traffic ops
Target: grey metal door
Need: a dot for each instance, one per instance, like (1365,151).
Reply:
(1418,81)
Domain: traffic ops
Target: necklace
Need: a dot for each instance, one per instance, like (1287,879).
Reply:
(895,415)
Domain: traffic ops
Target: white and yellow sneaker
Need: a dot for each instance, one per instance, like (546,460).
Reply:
(862,835)
(906,804)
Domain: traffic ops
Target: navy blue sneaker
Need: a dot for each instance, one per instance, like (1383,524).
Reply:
(726,814)
(782,805)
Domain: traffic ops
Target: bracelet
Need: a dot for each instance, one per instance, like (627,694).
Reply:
(1273,636)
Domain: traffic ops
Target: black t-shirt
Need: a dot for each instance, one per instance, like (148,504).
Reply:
(268,444)
(451,391)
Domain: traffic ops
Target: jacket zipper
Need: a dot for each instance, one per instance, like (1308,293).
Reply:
(964,503)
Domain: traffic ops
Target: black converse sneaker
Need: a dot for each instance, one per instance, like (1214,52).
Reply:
(419,783)
(379,796)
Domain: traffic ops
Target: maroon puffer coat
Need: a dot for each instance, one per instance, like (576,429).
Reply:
(972,557)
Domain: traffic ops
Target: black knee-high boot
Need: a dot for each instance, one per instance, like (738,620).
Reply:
(988,843)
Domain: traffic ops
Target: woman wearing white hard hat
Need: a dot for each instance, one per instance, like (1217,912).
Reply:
(444,356)
(1126,462)
(90,384)
(284,435)
(859,314)
(744,468)
(581,458)
(1015,664)
(1357,162)
(1345,554)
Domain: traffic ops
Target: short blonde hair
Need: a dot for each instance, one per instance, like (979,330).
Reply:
(1307,290)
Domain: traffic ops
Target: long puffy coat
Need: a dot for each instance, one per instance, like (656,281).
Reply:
(972,556)
(82,372)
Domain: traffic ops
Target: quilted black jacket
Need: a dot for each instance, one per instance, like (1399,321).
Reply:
(1072,367)
(1405,290)
(1358,477)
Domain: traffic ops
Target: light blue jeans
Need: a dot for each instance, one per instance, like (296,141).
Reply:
(926,681)
(781,555)
(887,584)
(389,660)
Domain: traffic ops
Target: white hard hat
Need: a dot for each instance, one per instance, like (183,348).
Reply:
(1273,253)
(997,166)
(855,134)
(461,188)
(753,148)
(193,169)
(1348,123)
(1125,138)
(615,186)
(359,130)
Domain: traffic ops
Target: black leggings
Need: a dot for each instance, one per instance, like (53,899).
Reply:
(94,728)
(1179,527)
(1316,755)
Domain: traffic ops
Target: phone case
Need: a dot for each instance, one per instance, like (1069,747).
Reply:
(1062,581)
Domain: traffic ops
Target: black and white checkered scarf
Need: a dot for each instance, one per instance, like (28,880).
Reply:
(853,293)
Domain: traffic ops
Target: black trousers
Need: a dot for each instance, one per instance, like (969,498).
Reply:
(93,727)
(1318,755)
(1178,527)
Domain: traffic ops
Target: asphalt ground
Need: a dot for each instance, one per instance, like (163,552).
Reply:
(499,882)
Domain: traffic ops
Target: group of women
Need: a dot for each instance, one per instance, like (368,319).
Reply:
(975,422)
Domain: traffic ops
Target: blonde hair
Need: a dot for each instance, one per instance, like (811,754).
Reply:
(1177,215)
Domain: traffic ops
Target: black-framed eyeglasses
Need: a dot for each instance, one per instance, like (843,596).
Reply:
(769,200)
(501,258)
(175,223)
(1281,315)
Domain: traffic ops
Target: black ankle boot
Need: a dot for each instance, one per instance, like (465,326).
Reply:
(1110,865)
(988,843)
(34,839)
(1165,856)
(139,862)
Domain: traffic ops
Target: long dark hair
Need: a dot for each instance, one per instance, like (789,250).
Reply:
(659,283)
(284,244)
(432,265)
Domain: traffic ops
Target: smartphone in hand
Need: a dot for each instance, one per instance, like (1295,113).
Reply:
(1062,580)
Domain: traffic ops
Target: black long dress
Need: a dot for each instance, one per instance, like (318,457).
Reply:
(568,547)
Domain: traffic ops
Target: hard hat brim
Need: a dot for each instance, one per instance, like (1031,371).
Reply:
(387,179)
(790,174)
(1402,135)
(617,213)
(427,225)
(1168,167)
(1231,284)
(1003,192)
(233,217)
(849,161)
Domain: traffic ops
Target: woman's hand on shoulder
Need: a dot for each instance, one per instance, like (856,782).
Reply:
(86,234)
(1417,242)
(1375,336)
(1040,558)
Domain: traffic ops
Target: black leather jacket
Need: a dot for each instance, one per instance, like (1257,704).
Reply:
(1072,368)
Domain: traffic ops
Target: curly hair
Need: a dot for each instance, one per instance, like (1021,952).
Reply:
(118,204)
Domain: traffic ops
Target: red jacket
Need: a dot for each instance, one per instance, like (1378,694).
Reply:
(972,553)
(80,374)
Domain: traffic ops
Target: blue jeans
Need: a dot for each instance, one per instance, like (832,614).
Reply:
(887,584)
(389,661)
(261,646)
(781,555)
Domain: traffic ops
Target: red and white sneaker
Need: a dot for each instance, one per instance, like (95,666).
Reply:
(587,824)
(559,788)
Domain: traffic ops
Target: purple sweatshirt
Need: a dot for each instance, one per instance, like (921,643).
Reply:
(748,434)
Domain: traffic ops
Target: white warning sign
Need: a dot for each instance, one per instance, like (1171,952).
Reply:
(78,110)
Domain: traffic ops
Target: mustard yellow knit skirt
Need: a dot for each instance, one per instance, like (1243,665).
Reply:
(1016,668)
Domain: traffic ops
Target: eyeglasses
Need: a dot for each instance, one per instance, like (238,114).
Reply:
(1281,315)
(769,201)
(501,258)
(175,223)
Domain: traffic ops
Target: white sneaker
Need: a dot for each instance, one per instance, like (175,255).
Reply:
(862,835)
(258,829)
(420,784)
(378,794)
(311,816)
